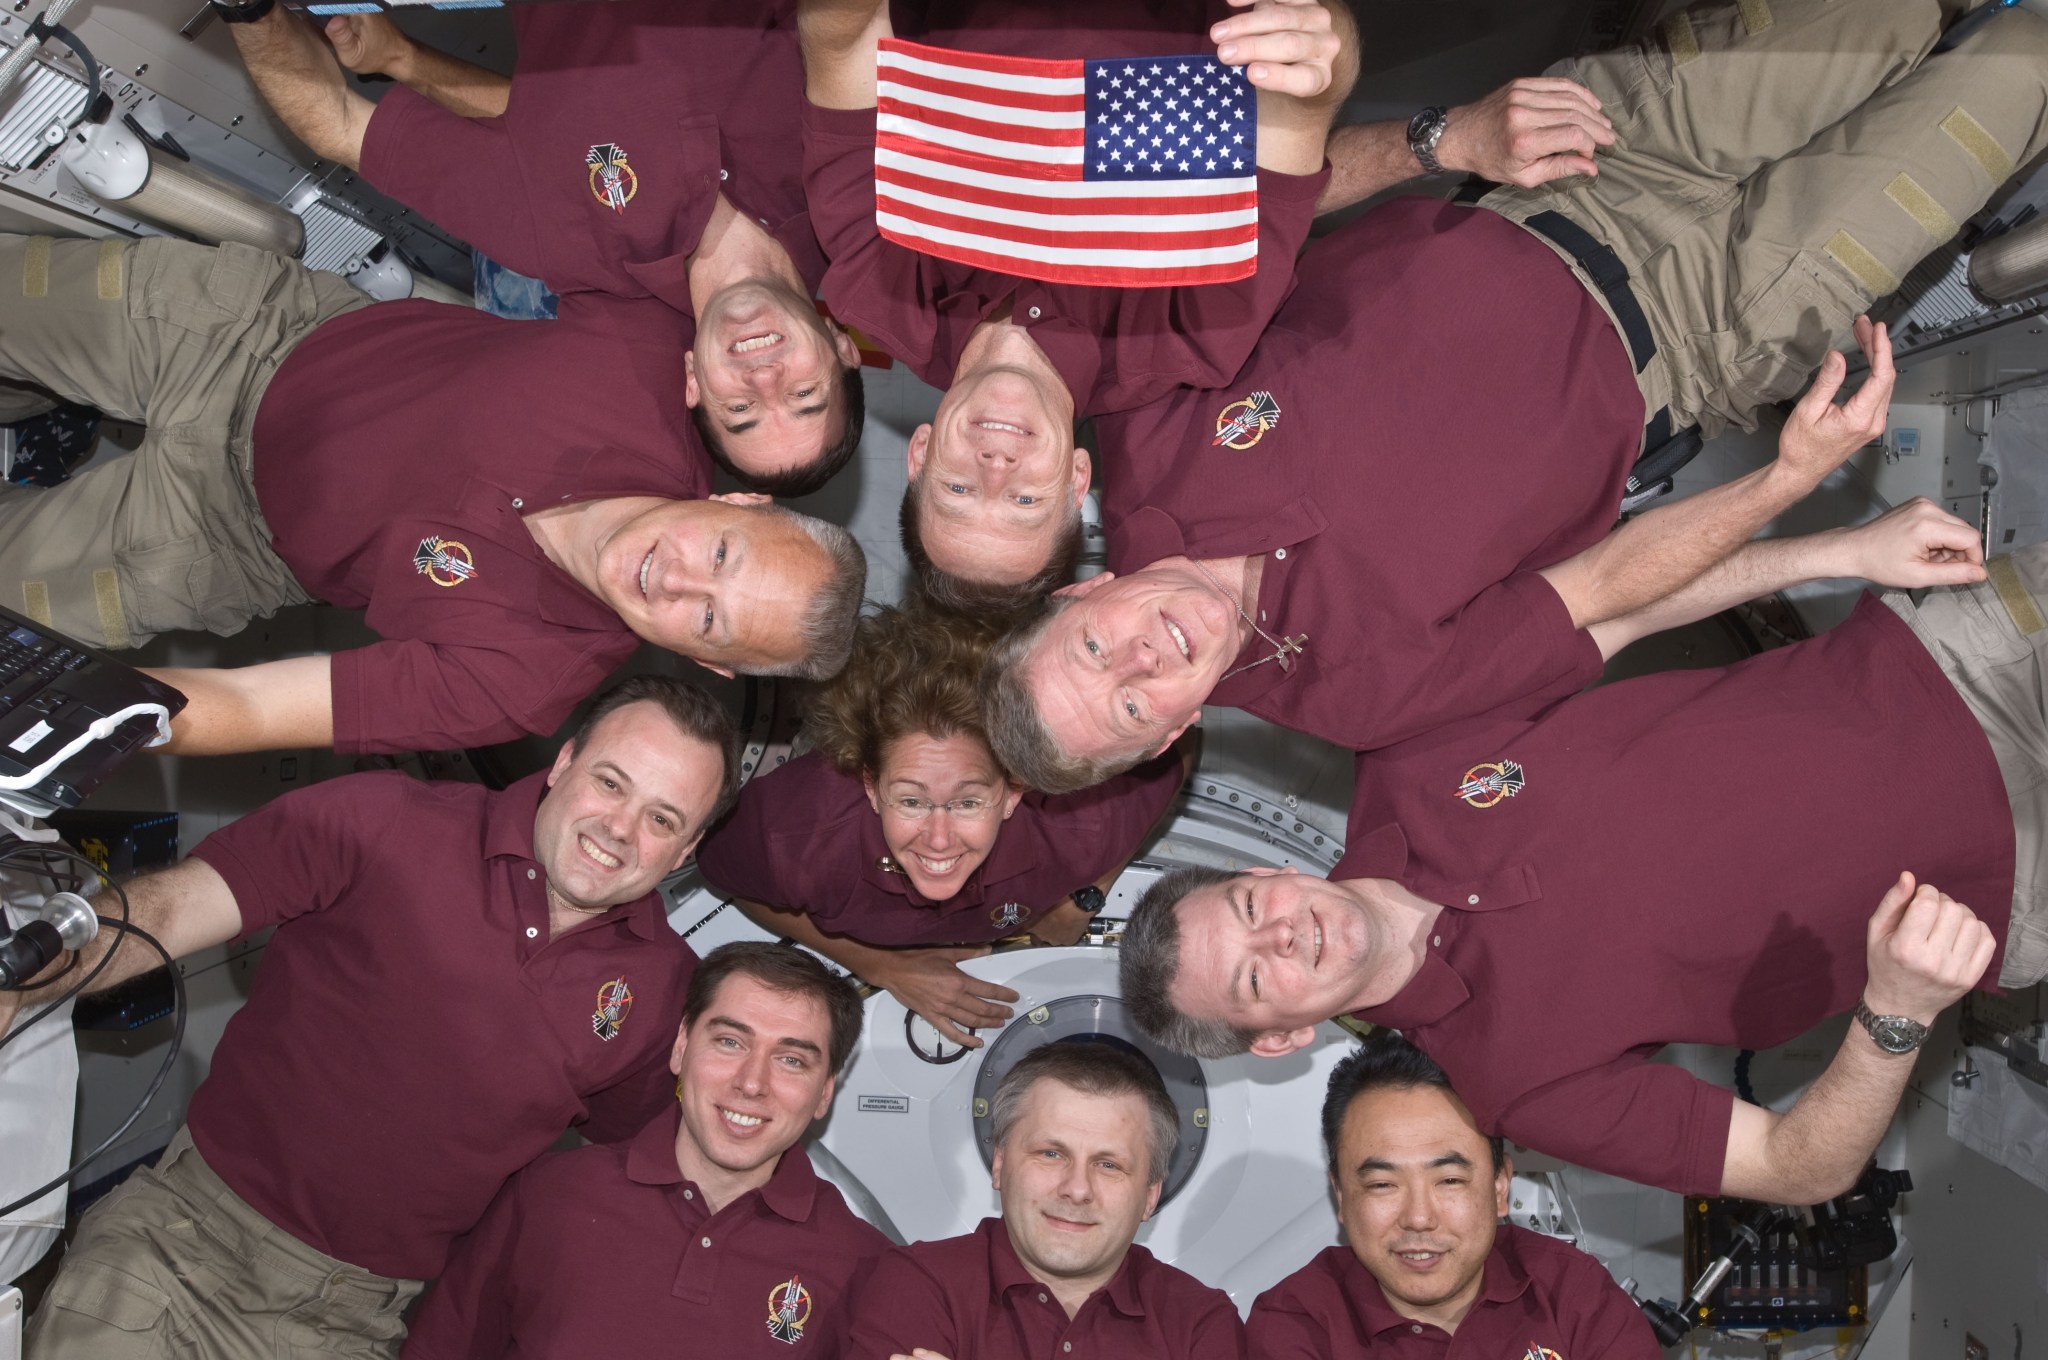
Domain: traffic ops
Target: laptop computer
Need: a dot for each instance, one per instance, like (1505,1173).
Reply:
(52,692)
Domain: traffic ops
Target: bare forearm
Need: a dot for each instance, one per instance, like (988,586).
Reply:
(458,86)
(295,72)
(795,925)
(1817,1149)
(1366,158)
(1758,568)
(279,705)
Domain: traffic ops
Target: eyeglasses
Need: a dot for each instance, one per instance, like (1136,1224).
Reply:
(917,809)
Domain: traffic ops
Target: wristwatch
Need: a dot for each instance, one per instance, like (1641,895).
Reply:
(245,12)
(1425,130)
(1892,1033)
(1089,899)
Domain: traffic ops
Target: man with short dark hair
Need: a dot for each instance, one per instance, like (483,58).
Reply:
(1582,850)
(708,1225)
(1277,545)
(1427,1269)
(991,516)
(1083,1134)
(642,149)
(475,971)
(513,522)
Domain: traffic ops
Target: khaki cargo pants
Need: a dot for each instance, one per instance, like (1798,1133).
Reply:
(174,1264)
(1991,641)
(183,339)
(1779,165)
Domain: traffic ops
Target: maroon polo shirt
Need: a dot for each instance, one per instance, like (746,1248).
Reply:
(608,1251)
(805,838)
(971,1297)
(1537,1296)
(414,432)
(413,1036)
(1692,857)
(697,97)
(1113,347)
(1403,510)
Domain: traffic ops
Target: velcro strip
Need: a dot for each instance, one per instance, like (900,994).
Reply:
(1870,271)
(1920,205)
(111,251)
(1976,139)
(2014,595)
(35,267)
(106,593)
(1680,38)
(1756,15)
(35,602)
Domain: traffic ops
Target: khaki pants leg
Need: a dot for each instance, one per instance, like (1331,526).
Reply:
(173,1264)
(183,339)
(1991,640)
(1751,135)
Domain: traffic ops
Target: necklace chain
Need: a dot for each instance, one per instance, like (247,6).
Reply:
(1285,648)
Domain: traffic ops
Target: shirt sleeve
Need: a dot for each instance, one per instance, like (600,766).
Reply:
(901,1308)
(1124,809)
(467,1315)
(461,173)
(300,852)
(1200,336)
(878,287)
(1645,1121)
(1217,1334)
(1509,653)
(405,694)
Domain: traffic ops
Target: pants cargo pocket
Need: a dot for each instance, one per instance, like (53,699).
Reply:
(188,584)
(95,1312)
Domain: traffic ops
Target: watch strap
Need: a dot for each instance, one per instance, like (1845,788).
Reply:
(1892,1033)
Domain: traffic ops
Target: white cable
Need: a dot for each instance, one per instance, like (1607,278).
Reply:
(97,731)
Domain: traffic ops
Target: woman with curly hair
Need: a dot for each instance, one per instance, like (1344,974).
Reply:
(897,839)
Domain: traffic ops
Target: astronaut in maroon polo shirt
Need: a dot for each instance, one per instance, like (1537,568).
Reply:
(897,846)
(991,517)
(642,149)
(1083,1135)
(1542,898)
(457,975)
(709,1230)
(1427,1268)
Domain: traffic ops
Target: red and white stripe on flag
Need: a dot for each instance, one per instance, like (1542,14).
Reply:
(993,162)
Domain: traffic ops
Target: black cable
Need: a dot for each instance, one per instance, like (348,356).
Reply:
(156,1083)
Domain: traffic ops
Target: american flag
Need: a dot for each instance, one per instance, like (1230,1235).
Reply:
(1131,172)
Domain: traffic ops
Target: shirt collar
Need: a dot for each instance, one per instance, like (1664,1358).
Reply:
(790,1193)
(1006,1271)
(1436,989)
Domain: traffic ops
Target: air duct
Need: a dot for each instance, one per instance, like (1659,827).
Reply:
(119,168)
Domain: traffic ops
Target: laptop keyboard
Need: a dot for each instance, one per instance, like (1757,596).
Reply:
(29,662)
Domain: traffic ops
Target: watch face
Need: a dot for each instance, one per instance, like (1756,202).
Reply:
(1896,1035)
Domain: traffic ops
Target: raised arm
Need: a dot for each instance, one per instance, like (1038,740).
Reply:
(1663,549)
(278,705)
(1925,950)
(1302,55)
(927,981)
(297,75)
(187,907)
(840,39)
(1909,547)
(371,45)
(1528,132)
